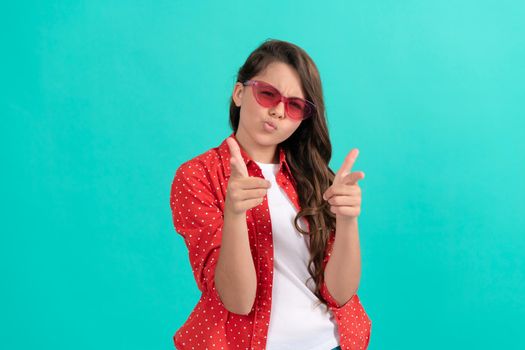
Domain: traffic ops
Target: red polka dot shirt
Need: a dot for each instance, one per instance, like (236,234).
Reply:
(198,193)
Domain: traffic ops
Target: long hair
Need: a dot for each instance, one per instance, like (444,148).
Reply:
(308,150)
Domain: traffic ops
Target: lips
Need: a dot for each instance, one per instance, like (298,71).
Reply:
(272,124)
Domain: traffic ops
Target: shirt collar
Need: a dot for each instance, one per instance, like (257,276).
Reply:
(224,151)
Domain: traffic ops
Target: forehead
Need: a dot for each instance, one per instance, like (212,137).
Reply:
(284,77)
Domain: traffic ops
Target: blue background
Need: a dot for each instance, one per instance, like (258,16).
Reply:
(101,101)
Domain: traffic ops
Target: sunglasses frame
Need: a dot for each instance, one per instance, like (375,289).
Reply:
(310,107)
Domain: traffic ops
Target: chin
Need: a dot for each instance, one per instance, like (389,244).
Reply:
(265,139)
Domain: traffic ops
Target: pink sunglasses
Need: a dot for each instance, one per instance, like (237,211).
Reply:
(268,96)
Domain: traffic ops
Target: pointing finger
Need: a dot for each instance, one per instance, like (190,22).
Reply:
(347,165)
(238,168)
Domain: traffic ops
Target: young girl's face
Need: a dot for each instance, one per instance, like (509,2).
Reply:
(253,116)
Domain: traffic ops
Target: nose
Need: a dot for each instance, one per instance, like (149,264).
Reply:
(278,111)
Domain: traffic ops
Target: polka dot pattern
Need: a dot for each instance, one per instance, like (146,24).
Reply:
(197,200)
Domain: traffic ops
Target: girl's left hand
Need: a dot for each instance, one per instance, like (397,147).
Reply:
(344,196)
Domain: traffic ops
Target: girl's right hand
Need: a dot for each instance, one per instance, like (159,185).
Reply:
(243,192)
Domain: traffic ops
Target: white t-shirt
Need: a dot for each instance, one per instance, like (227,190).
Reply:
(294,322)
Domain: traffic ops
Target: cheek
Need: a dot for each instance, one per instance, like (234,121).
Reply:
(247,114)
(287,130)
(291,126)
(250,110)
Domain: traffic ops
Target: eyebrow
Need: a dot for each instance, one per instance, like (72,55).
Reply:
(296,96)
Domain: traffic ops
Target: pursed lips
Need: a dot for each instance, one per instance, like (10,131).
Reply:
(272,124)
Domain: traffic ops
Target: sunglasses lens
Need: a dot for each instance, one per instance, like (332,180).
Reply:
(267,96)
(297,108)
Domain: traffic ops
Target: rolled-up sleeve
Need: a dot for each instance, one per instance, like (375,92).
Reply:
(198,218)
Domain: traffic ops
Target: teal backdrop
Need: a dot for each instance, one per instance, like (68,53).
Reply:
(101,101)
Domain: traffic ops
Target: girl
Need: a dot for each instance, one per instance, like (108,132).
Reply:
(271,230)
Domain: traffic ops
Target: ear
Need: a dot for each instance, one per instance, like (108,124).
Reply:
(238,90)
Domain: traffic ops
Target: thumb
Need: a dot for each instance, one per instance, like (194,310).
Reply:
(238,168)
